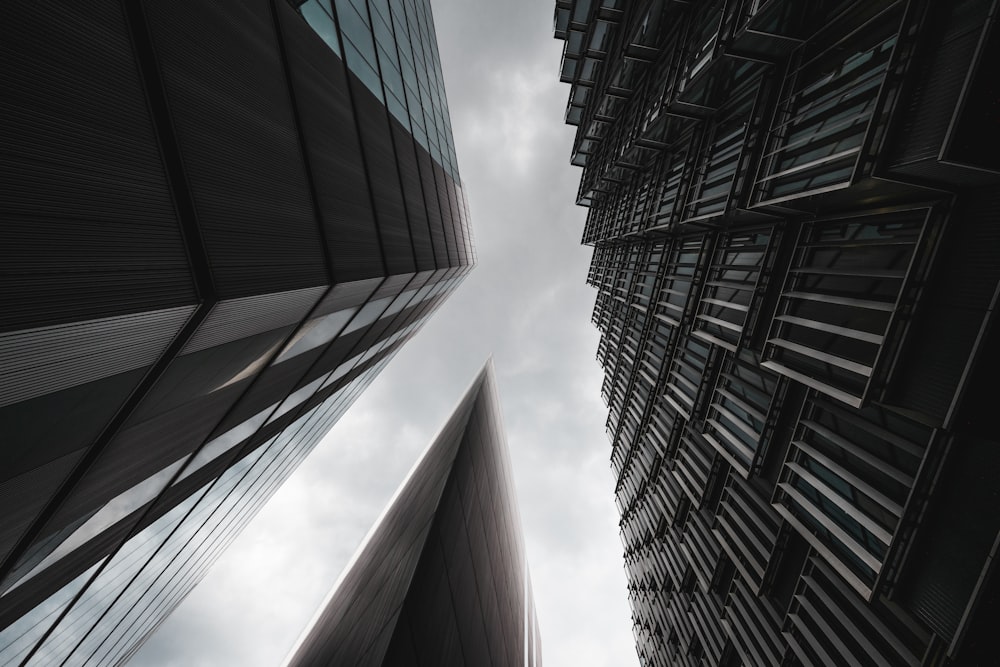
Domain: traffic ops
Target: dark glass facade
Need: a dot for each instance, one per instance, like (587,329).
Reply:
(442,578)
(793,212)
(215,235)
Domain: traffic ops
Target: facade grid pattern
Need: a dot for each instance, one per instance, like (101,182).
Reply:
(219,227)
(795,265)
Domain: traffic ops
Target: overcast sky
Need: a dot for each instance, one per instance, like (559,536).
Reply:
(527,304)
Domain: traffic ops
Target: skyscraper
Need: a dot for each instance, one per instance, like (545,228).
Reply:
(792,207)
(220,221)
(442,578)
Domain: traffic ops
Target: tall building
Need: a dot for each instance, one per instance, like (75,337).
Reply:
(220,221)
(441,579)
(793,211)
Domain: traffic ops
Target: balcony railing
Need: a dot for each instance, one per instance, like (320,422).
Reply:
(683,265)
(689,372)
(740,418)
(840,313)
(831,105)
(738,272)
(754,627)
(847,482)
(703,550)
(720,159)
(747,528)
(827,624)
(694,466)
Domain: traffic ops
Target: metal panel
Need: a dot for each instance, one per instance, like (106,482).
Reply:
(47,359)
(416,209)
(326,120)
(89,228)
(225,84)
(434,216)
(245,317)
(383,177)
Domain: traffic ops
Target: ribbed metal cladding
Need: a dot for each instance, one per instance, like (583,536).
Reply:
(245,317)
(46,359)
(442,578)
(346,295)
(159,148)
(224,82)
(456,218)
(466,229)
(326,119)
(413,193)
(80,169)
(938,80)
(933,368)
(387,194)
(969,144)
(948,578)
(434,215)
(447,222)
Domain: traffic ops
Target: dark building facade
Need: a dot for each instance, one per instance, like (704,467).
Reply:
(442,578)
(218,222)
(793,211)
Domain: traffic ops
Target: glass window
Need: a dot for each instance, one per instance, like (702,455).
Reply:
(363,69)
(321,23)
(296,397)
(370,312)
(316,332)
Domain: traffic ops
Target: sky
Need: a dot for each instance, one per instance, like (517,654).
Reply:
(527,304)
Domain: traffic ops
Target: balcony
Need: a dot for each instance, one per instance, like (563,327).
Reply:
(741,415)
(768,30)
(688,374)
(754,627)
(695,466)
(827,624)
(703,550)
(839,320)
(846,485)
(830,113)
(642,43)
(672,174)
(706,614)
(708,71)
(674,300)
(738,273)
(747,528)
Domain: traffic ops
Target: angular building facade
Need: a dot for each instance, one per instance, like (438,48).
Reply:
(793,211)
(441,579)
(220,222)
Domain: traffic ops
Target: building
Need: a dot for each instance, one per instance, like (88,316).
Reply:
(793,212)
(215,234)
(441,579)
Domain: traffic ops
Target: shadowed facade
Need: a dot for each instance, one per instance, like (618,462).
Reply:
(220,221)
(442,578)
(793,212)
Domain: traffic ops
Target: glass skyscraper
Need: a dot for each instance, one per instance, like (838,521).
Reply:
(442,578)
(219,223)
(793,212)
